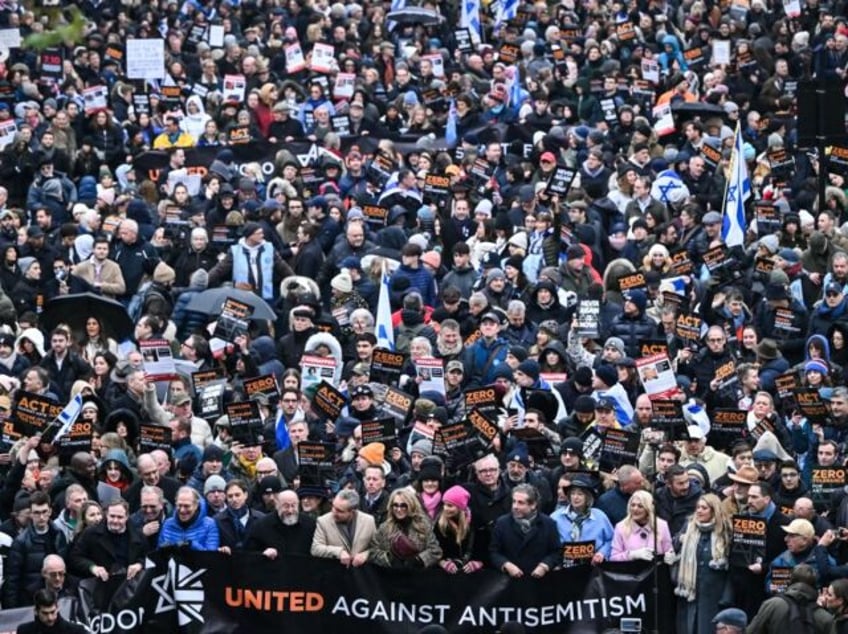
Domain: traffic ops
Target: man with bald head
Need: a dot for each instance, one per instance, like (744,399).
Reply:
(150,475)
(285,532)
(805,510)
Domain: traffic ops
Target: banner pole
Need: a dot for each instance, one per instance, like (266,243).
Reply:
(655,579)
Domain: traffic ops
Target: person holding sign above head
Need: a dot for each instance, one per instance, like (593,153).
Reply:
(578,521)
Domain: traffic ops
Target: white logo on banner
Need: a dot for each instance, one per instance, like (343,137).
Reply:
(181,589)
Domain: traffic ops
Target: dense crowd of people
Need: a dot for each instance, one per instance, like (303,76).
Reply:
(508,224)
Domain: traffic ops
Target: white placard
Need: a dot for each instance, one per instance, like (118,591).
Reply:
(10,38)
(146,58)
(343,88)
(438,65)
(651,71)
(664,120)
(8,129)
(792,8)
(215,35)
(323,58)
(234,87)
(294,58)
(95,98)
(721,51)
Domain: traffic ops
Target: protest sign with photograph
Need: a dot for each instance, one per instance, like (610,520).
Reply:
(323,58)
(233,321)
(158,360)
(657,376)
(234,88)
(314,369)
(95,98)
(431,373)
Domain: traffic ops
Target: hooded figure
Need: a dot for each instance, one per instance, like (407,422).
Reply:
(194,123)
(328,341)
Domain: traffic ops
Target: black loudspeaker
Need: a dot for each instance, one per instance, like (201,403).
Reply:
(827,118)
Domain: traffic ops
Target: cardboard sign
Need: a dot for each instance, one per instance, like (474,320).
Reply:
(786,384)
(145,58)
(328,400)
(728,426)
(688,327)
(811,404)
(588,318)
(681,264)
(245,421)
(233,320)
(483,425)
(619,447)
(152,437)
(484,399)
(748,541)
(695,56)
(560,181)
(32,413)
(768,218)
(323,58)
(779,579)
(508,53)
(386,366)
(577,554)
(77,438)
(626,31)
(825,482)
(462,40)
(234,88)
(344,85)
(211,401)
(265,384)
(199,380)
(725,374)
(632,281)
(668,417)
(714,258)
(398,403)
(651,347)
(381,430)
(784,320)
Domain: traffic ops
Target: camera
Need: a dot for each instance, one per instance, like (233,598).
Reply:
(842,533)
(177,231)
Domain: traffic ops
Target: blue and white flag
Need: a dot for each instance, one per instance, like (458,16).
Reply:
(451,135)
(281,433)
(68,416)
(507,10)
(738,190)
(397,5)
(470,19)
(669,188)
(385,332)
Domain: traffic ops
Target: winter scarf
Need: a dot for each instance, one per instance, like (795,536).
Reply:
(687,576)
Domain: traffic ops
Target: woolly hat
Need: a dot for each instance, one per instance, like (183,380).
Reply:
(432,259)
(531,368)
(423,446)
(495,274)
(163,274)
(814,365)
(519,454)
(25,263)
(519,352)
(615,342)
(430,470)
(458,496)
(608,374)
(638,298)
(213,452)
(373,453)
(342,283)
(199,279)
(214,483)
(583,376)
(584,404)
(573,443)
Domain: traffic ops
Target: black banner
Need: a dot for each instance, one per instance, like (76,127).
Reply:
(210,593)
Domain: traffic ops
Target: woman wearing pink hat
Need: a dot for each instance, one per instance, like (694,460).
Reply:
(454,534)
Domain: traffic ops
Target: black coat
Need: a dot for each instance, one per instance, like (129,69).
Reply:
(60,627)
(96,547)
(227,534)
(23,566)
(486,507)
(132,494)
(270,532)
(539,545)
(74,368)
(632,331)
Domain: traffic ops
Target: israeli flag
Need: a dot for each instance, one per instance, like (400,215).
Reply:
(738,191)
(507,10)
(451,135)
(668,188)
(385,332)
(470,19)
(68,416)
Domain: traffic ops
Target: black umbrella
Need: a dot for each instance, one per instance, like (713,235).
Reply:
(689,109)
(211,301)
(411,16)
(74,310)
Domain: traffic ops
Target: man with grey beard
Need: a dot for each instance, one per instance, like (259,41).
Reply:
(286,532)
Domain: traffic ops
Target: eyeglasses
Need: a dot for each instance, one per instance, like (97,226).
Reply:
(715,339)
(187,345)
(400,505)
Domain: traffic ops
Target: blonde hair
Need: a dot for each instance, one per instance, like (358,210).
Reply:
(458,526)
(419,520)
(628,525)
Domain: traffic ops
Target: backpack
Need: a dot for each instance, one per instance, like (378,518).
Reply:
(801,620)
(136,306)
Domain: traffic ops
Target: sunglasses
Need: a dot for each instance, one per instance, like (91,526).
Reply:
(400,505)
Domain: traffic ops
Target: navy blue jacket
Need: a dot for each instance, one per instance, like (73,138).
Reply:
(539,546)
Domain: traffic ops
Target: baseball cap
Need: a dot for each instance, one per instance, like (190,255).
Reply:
(270,484)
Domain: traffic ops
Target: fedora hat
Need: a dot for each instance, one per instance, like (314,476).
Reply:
(767,349)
